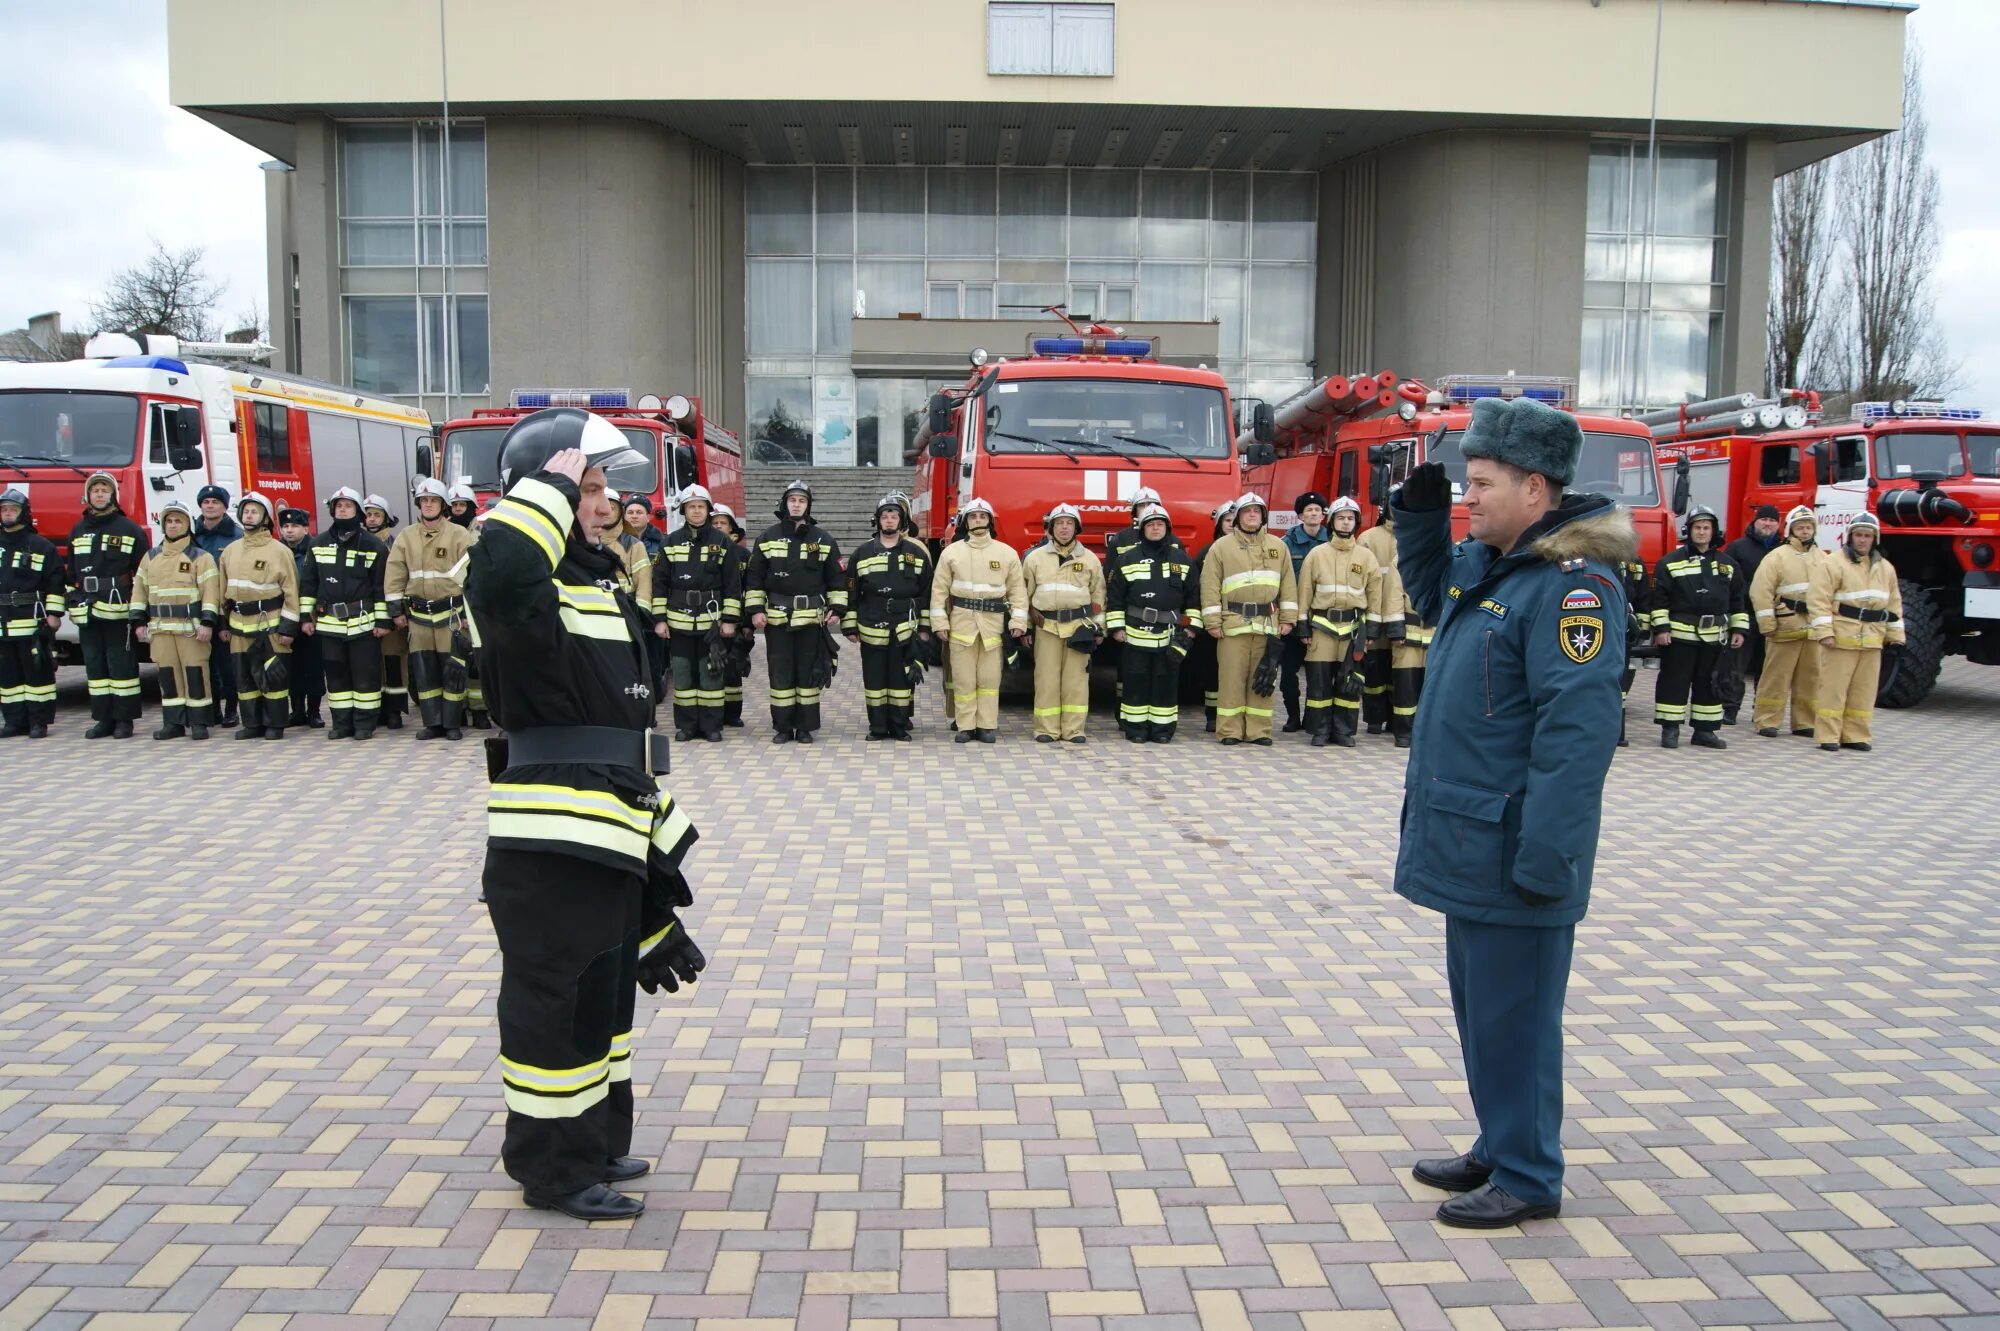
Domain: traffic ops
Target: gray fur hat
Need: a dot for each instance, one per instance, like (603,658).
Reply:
(1527,434)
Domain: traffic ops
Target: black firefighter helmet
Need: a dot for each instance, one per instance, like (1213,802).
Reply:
(797,487)
(531,441)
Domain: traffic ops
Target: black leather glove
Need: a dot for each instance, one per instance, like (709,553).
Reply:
(1892,650)
(1427,490)
(675,962)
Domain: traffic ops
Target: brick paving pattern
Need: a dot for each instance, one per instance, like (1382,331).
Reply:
(1032,1036)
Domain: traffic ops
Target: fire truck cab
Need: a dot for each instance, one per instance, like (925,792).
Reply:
(1085,418)
(1930,473)
(682,447)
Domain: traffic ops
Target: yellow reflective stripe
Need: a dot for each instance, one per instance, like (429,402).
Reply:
(586,625)
(1259,577)
(553,1079)
(557,1106)
(594,599)
(559,827)
(516,795)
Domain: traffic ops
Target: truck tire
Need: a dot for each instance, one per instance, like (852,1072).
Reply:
(1916,673)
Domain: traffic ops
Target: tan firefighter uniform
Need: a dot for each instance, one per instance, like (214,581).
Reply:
(978,596)
(1791,657)
(176,592)
(1247,589)
(1858,604)
(260,591)
(1340,595)
(425,582)
(1065,586)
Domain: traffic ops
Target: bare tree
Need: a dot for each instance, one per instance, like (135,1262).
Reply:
(169,292)
(247,325)
(1886,210)
(1802,256)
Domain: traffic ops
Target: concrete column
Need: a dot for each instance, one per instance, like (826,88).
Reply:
(315,221)
(1747,274)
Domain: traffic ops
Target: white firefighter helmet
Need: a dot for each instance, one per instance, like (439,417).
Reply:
(1062,511)
(271,514)
(1142,496)
(376,502)
(976,505)
(461,492)
(1865,519)
(344,492)
(1150,512)
(1802,513)
(94,478)
(430,487)
(1249,499)
(691,494)
(1221,511)
(1344,504)
(179,506)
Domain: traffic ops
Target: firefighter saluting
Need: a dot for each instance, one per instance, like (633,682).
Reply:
(31,608)
(1065,587)
(796,594)
(698,593)
(425,587)
(1341,600)
(584,843)
(1151,585)
(1698,610)
(889,582)
(176,599)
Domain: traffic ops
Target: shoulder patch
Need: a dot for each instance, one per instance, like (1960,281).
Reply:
(1582,599)
(1497,609)
(1452,592)
(1581,636)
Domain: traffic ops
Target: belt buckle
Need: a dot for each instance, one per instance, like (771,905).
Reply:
(801,603)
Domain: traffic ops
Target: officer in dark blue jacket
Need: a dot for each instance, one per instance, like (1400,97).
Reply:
(1505,782)
(214,532)
(1306,535)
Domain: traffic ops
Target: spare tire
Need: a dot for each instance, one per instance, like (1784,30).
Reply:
(1916,671)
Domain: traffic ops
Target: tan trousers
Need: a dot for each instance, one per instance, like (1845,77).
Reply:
(1848,678)
(1062,685)
(185,689)
(975,684)
(1790,669)
(1239,713)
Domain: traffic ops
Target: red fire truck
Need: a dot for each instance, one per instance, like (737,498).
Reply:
(1929,472)
(1085,418)
(681,444)
(1361,435)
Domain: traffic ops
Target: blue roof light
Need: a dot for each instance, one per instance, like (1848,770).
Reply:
(167,363)
(1091,346)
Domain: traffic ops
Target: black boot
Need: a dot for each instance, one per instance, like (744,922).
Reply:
(1670,737)
(102,730)
(1319,739)
(38,730)
(197,731)
(1402,741)
(13,730)
(121,730)
(170,731)
(1707,739)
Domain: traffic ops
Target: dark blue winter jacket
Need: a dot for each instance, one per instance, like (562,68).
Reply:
(1505,783)
(218,538)
(1300,544)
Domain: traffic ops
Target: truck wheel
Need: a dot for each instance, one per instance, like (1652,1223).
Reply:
(1916,673)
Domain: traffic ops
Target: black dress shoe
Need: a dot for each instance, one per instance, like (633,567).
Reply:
(1230,740)
(962,737)
(1802,730)
(314,721)
(626,1168)
(713,736)
(1292,724)
(1162,738)
(1263,743)
(595,1202)
(1768,732)
(1045,739)
(1830,748)
(1862,745)
(1079,739)
(1459,1173)
(989,736)
(1491,1207)
(875,736)
(902,735)
(804,737)
(736,724)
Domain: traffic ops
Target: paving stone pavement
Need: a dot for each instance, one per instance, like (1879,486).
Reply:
(1036,1036)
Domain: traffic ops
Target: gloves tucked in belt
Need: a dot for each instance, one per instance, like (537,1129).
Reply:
(1085,639)
(676,961)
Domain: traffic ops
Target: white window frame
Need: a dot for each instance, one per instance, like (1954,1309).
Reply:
(1023,39)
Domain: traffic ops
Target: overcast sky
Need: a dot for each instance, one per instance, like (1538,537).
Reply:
(94,165)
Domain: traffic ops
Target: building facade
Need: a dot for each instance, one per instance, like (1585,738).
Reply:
(807,213)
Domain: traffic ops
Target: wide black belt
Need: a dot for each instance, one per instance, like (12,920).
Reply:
(1865,616)
(437,607)
(258,607)
(1333,616)
(695,600)
(982,605)
(1065,616)
(173,611)
(1791,606)
(1145,614)
(99,586)
(602,746)
(346,610)
(1711,621)
(805,601)
(1249,610)
(19,598)
(895,607)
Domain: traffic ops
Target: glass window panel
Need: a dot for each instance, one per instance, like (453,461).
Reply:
(960,270)
(979,300)
(1282,217)
(1019,38)
(889,217)
(1676,260)
(1171,291)
(1084,298)
(1598,383)
(1103,272)
(382,344)
(468,241)
(1103,208)
(941,302)
(1225,306)
(474,365)
(376,171)
(1608,259)
(1118,303)
(434,348)
(1281,299)
(960,217)
(887,412)
(1689,193)
(890,287)
(1676,361)
(778,208)
(1603,293)
(1034,207)
(468,169)
(1681,295)
(380,244)
(835,326)
(1173,217)
(781,307)
(1609,191)
(781,419)
(1229,233)
(1026,300)
(833,207)
(1085,43)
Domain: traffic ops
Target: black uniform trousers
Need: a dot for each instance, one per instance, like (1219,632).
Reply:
(1326,713)
(1206,675)
(1687,671)
(308,686)
(1291,661)
(886,687)
(1507,986)
(353,680)
(1378,689)
(1149,705)
(697,688)
(1739,664)
(251,653)
(27,683)
(569,956)
(221,676)
(791,655)
(741,648)
(111,664)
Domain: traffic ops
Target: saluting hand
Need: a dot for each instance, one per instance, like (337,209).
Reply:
(570,463)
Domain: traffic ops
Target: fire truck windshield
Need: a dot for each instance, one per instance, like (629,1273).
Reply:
(67,429)
(472,453)
(1130,417)
(1618,465)
(1901,456)
(1984,449)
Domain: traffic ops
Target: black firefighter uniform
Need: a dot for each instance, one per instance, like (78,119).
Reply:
(260,594)
(697,588)
(978,597)
(1399,653)
(1698,601)
(1340,597)
(1065,587)
(888,593)
(1248,591)
(177,592)
(582,875)
(104,552)
(794,580)
(343,592)
(31,586)
(425,582)
(1149,587)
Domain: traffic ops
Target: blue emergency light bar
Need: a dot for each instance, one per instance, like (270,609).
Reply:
(592,399)
(1465,389)
(1901,410)
(167,363)
(1091,346)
